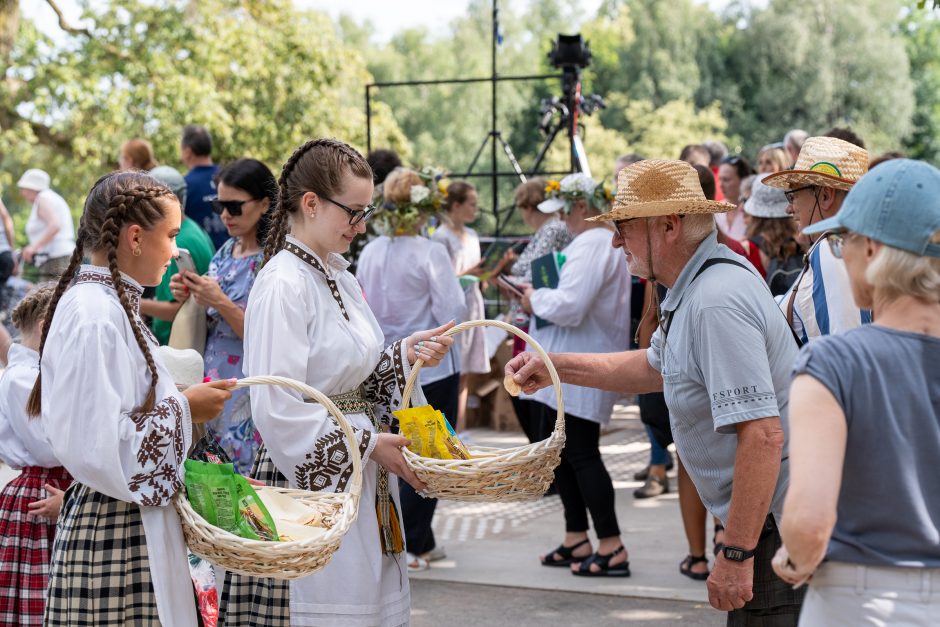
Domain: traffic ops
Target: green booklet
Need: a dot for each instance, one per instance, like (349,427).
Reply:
(545,273)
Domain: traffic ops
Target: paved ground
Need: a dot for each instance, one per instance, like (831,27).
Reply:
(440,604)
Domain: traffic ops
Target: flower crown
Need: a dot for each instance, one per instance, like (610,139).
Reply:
(580,186)
(406,217)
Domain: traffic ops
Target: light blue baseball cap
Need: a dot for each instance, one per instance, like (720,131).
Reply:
(897,203)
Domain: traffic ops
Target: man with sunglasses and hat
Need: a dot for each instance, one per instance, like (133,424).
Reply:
(820,301)
(722,356)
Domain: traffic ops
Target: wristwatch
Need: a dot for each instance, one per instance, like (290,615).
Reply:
(736,554)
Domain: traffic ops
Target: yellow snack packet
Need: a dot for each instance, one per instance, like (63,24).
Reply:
(430,433)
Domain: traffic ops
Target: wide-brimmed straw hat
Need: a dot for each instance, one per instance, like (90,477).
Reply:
(658,187)
(826,162)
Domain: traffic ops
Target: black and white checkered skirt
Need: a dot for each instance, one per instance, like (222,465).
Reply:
(100,570)
(256,601)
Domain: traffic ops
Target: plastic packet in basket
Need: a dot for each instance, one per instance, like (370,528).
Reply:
(430,433)
(225,499)
(295,520)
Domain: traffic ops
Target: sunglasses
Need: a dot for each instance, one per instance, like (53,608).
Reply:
(234,207)
(355,215)
(791,193)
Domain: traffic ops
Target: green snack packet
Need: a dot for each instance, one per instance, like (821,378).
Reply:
(226,500)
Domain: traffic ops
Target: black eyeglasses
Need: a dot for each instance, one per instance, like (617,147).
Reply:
(355,215)
(234,207)
(791,193)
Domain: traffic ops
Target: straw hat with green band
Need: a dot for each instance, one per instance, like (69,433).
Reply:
(825,162)
(657,187)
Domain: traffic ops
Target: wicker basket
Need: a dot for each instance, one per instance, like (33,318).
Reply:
(280,560)
(522,473)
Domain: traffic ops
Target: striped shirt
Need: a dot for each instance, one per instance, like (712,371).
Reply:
(824,303)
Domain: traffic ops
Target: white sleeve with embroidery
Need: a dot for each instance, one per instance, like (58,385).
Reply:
(303,440)
(92,380)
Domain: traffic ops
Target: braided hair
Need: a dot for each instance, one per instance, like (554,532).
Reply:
(116,200)
(318,166)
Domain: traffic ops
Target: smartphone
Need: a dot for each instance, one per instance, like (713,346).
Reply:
(185,261)
(509,285)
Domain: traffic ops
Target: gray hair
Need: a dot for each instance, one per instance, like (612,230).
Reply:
(795,138)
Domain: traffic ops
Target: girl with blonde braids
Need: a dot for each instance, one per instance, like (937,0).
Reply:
(307,320)
(115,419)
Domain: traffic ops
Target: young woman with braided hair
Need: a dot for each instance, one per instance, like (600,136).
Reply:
(307,320)
(115,419)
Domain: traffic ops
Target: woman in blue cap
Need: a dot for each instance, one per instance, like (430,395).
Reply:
(865,418)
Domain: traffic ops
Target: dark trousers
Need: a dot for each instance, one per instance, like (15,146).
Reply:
(417,511)
(775,602)
(6,269)
(581,478)
(532,421)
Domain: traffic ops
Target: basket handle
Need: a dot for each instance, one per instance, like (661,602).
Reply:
(355,485)
(464,326)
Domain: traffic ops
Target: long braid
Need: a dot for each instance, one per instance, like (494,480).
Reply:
(34,404)
(110,234)
(325,177)
(277,236)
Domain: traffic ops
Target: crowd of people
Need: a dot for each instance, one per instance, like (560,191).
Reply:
(736,303)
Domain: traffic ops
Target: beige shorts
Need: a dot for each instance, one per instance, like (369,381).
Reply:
(851,594)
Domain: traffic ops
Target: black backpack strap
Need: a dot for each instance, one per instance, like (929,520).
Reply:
(667,317)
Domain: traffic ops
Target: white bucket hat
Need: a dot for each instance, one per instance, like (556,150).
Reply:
(766,201)
(34,179)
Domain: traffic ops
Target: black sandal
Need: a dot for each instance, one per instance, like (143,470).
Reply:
(686,567)
(603,562)
(567,559)
(718,545)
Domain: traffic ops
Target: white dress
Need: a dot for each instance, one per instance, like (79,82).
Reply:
(93,376)
(64,241)
(464,249)
(303,324)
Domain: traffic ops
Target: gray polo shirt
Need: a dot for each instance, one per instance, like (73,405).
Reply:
(727,359)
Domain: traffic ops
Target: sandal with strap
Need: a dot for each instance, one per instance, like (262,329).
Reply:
(718,545)
(566,552)
(603,562)
(691,560)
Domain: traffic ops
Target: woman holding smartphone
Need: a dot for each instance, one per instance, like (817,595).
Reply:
(247,191)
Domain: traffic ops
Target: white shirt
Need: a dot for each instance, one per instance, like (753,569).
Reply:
(296,328)
(22,439)
(824,302)
(410,286)
(590,312)
(63,243)
(93,376)
(732,224)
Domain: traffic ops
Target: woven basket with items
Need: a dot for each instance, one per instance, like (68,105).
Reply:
(521,473)
(331,513)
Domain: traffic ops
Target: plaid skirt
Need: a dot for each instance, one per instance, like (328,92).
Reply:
(100,573)
(256,601)
(26,545)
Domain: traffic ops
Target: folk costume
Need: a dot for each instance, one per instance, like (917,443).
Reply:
(307,320)
(119,556)
(25,539)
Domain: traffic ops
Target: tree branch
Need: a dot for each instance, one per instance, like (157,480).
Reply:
(75,30)
(45,135)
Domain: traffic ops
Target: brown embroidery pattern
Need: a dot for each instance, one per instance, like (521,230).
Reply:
(313,262)
(133,294)
(330,455)
(160,453)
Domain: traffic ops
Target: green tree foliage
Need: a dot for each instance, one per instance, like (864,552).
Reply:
(815,65)
(922,35)
(261,75)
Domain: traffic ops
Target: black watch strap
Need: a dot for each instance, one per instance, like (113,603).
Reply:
(737,554)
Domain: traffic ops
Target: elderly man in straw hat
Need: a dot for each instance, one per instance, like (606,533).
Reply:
(722,356)
(820,301)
